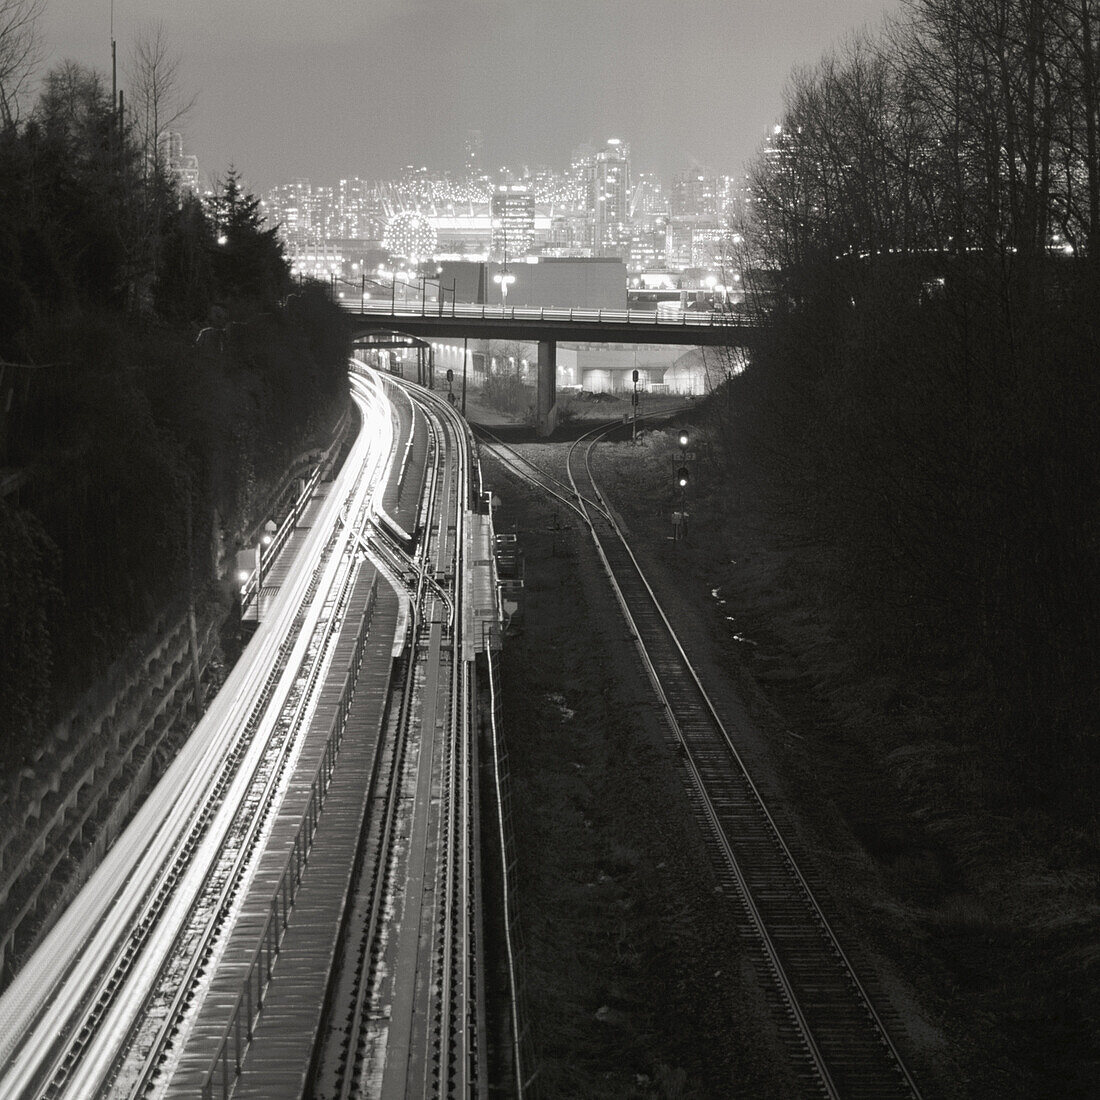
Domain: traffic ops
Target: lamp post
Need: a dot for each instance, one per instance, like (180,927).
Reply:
(465,368)
(504,279)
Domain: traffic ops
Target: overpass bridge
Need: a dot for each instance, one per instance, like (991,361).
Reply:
(374,323)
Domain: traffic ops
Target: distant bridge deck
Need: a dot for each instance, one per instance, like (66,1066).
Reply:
(600,326)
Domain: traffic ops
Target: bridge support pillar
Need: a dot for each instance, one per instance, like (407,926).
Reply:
(546,408)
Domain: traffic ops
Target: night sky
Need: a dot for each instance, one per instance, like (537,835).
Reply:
(334,88)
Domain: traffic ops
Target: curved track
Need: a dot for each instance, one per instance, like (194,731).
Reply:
(414,915)
(839,1044)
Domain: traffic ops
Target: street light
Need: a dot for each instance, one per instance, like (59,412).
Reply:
(505,279)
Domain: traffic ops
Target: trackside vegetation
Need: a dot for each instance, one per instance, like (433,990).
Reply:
(923,418)
(908,480)
(159,373)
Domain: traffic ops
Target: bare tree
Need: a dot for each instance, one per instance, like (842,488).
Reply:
(19,42)
(157,103)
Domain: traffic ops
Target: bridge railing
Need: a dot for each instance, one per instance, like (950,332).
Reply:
(355,298)
(684,318)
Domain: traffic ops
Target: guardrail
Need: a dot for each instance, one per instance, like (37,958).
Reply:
(358,300)
(683,317)
(225,1066)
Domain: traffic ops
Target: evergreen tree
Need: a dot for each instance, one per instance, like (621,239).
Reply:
(249,262)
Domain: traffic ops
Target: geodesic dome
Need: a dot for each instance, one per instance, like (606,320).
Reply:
(409,235)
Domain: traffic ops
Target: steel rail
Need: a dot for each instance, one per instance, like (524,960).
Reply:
(456,1070)
(433,1043)
(456,932)
(379,879)
(787,991)
(776,966)
(789,858)
(508,455)
(343,1069)
(419,573)
(511,952)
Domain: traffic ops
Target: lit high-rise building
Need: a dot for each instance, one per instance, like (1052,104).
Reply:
(513,217)
(648,198)
(610,195)
(290,207)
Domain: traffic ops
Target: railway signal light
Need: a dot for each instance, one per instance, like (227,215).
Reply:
(685,439)
(450,375)
(682,477)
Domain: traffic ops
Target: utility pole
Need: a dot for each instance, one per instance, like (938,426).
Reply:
(680,518)
(114,70)
(465,361)
(634,401)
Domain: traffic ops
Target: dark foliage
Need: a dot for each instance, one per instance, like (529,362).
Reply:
(923,413)
(154,375)
(248,261)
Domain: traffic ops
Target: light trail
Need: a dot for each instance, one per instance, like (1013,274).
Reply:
(150,878)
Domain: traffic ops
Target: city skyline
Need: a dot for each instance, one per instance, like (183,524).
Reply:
(365,90)
(597,206)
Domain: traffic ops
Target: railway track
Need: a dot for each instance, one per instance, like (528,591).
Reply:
(119,1003)
(405,1015)
(838,1041)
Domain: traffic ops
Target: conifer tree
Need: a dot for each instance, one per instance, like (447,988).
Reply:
(249,260)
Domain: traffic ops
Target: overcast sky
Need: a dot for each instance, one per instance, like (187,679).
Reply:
(334,88)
